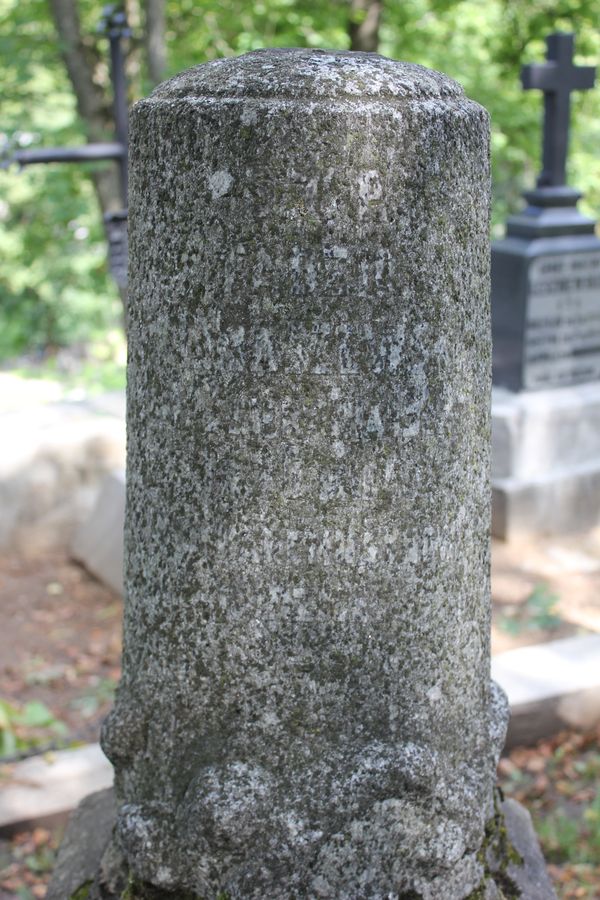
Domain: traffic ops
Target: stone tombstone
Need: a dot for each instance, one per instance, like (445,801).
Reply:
(546,273)
(306,707)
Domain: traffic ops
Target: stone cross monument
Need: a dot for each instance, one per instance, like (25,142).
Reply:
(306,708)
(546,334)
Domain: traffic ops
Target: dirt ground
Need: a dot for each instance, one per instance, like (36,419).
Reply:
(60,644)
(544,590)
(60,641)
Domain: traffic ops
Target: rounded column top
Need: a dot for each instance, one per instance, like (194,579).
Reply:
(308,75)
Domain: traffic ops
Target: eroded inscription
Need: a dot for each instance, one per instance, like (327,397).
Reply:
(562,331)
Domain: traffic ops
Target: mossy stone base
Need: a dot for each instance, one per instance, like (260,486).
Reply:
(89,867)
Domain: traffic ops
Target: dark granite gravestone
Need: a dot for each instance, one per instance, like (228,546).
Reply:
(546,273)
(546,335)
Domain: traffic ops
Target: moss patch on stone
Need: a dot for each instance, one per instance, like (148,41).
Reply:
(139,890)
(496,854)
(82,892)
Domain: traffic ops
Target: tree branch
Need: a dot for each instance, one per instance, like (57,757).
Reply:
(94,102)
(81,62)
(155,32)
(363,28)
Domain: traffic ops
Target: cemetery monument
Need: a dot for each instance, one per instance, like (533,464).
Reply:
(546,335)
(306,708)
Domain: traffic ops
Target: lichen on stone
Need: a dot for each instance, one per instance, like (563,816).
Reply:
(496,854)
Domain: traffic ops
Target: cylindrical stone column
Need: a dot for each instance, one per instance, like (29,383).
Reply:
(305,708)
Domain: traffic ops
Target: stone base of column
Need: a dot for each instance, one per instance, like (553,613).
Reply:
(90,867)
(545,461)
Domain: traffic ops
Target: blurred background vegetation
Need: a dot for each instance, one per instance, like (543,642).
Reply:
(55,290)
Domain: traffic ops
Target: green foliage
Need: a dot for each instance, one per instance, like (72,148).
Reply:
(94,697)
(41,861)
(82,892)
(54,284)
(483,45)
(26,728)
(537,613)
(101,368)
(566,839)
(541,606)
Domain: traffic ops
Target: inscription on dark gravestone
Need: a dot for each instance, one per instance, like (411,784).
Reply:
(562,326)
(546,273)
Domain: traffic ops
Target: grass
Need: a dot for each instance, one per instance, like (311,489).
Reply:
(559,782)
(94,368)
(537,613)
(24,728)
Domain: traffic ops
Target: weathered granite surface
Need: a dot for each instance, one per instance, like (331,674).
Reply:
(526,868)
(306,708)
(514,865)
(85,842)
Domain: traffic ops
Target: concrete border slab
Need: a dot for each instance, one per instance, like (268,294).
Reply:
(98,542)
(550,687)
(42,787)
(545,461)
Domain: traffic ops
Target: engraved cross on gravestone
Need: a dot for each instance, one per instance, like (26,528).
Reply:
(557,78)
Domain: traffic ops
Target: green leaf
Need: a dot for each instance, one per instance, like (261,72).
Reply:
(8,743)
(510,625)
(36,715)
(7,714)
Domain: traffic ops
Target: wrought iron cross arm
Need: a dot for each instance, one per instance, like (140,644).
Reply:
(85,153)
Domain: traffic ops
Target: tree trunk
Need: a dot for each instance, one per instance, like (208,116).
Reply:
(365,16)
(94,101)
(93,93)
(155,28)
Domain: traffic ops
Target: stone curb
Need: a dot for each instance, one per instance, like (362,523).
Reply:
(550,687)
(50,786)
(545,461)
(52,467)
(98,543)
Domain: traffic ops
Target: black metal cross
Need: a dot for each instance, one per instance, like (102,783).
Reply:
(114,24)
(557,78)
